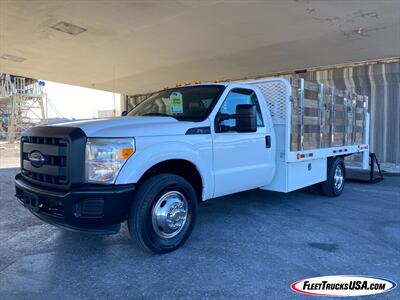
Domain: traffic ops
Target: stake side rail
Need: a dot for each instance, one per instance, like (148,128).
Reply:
(318,121)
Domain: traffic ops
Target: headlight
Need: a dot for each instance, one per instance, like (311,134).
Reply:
(105,157)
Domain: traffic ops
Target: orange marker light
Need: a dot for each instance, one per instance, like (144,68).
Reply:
(217,81)
(187,83)
(125,153)
(197,82)
(177,84)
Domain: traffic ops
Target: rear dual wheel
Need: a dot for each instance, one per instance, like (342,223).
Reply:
(336,178)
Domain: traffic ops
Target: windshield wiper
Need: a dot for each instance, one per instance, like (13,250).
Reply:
(159,115)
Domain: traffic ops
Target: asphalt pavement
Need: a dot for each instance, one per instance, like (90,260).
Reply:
(248,245)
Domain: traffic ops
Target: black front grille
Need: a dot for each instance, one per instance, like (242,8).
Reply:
(54,156)
(54,168)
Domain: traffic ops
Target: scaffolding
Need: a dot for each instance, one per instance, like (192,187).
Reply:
(23,104)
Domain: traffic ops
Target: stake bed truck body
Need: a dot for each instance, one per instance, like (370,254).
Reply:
(188,144)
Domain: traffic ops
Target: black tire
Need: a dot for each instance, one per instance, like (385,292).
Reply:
(140,222)
(328,187)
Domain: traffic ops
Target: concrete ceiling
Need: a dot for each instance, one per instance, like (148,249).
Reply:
(137,46)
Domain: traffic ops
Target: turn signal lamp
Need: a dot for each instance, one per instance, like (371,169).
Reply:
(125,153)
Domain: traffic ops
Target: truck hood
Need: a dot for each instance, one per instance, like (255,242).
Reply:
(131,126)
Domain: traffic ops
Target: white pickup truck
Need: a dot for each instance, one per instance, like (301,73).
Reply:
(180,146)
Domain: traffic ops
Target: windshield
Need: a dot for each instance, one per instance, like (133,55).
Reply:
(184,103)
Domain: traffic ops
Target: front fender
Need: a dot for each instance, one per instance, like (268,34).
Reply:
(149,154)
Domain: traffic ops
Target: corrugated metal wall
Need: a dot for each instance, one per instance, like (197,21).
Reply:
(380,81)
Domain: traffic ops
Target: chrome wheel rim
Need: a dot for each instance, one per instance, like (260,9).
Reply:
(169,214)
(338,177)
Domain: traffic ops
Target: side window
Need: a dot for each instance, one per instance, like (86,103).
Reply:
(235,97)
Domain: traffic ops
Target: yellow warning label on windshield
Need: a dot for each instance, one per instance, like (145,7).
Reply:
(176,103)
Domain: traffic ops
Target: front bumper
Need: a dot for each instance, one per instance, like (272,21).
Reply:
(90,208)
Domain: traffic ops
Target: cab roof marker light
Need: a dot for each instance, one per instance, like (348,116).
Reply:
(177,84)
(197,82)
(188,83)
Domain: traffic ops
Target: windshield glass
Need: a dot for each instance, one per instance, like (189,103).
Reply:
(184,103)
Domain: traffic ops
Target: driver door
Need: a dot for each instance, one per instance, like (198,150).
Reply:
(242,160)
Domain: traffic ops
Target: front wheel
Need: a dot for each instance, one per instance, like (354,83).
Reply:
(163,213)
(336,177)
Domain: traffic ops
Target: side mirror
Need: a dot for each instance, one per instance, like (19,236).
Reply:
(246,120)
(124,113)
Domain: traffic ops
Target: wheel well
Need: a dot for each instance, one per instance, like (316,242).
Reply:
(332,159)
(181,168)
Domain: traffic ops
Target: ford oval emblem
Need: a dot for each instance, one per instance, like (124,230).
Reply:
(36,158)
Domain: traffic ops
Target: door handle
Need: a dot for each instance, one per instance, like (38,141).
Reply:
(268,141)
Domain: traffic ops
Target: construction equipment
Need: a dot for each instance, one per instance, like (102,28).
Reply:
(22,105)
